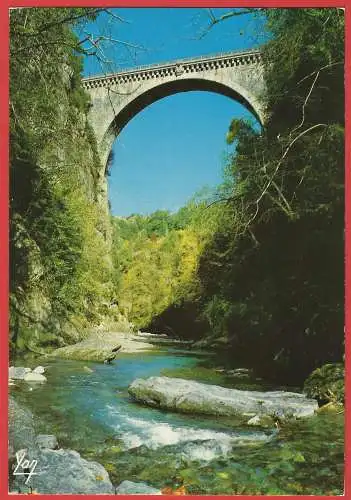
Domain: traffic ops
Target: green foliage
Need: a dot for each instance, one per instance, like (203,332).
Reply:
(272,274)
(238,129)
(60,280)
(327,383)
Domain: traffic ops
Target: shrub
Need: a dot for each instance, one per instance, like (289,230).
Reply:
(326,383)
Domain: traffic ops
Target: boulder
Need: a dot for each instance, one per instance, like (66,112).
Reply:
(34,377)
(87,369)
(262,421)
(102,346)
(59,471)
(327,383)
(194,397)
(63,472)
(21,428)
(131,488)
(18,372)
(256,420)
(240,373)
(332,407)
(48,441)
(39,369)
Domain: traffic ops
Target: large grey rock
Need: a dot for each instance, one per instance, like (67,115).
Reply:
(34,377)
(60,471)
(194,397)
(64,471)
(18,372)
(101,346)
(21,428)
(131,488)
(48,441)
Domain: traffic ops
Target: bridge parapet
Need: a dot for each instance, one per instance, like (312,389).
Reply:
(175,69)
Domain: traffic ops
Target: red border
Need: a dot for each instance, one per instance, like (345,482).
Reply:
(4,190)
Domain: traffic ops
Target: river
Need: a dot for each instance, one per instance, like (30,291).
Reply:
(87,406)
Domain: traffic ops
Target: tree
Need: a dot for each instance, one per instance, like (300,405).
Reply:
(285,189)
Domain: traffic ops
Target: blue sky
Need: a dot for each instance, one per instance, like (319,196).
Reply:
(176,146)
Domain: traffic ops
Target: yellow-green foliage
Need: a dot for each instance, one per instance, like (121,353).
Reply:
(162,271)
(156,258)
(92,287)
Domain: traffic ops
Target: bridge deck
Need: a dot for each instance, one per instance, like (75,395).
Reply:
(236,58)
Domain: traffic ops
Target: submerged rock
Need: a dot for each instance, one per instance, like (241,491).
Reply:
(48,441)
(63,471)
(131,488)
(205,451)
(18,372)
(87,369)
(195,397)
(34,377)
(39,369)
(240,373)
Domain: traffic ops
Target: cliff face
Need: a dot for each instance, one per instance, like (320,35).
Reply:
(60,232)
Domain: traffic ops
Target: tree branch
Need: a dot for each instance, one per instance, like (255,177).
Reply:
(278,166)
(65,20)
(97,38)
(224,17)
(319,70)
(304,105)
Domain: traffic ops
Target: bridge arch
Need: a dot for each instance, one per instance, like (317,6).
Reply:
(117,98)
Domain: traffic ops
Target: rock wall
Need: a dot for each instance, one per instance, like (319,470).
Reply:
(61,284)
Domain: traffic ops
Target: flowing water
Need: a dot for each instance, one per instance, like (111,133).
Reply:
(87,406)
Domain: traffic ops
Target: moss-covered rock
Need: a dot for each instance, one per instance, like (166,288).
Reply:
(327,383)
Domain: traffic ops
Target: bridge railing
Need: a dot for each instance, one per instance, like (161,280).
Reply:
(187,60)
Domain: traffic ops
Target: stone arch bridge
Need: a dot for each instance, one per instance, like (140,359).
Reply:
(116,98)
